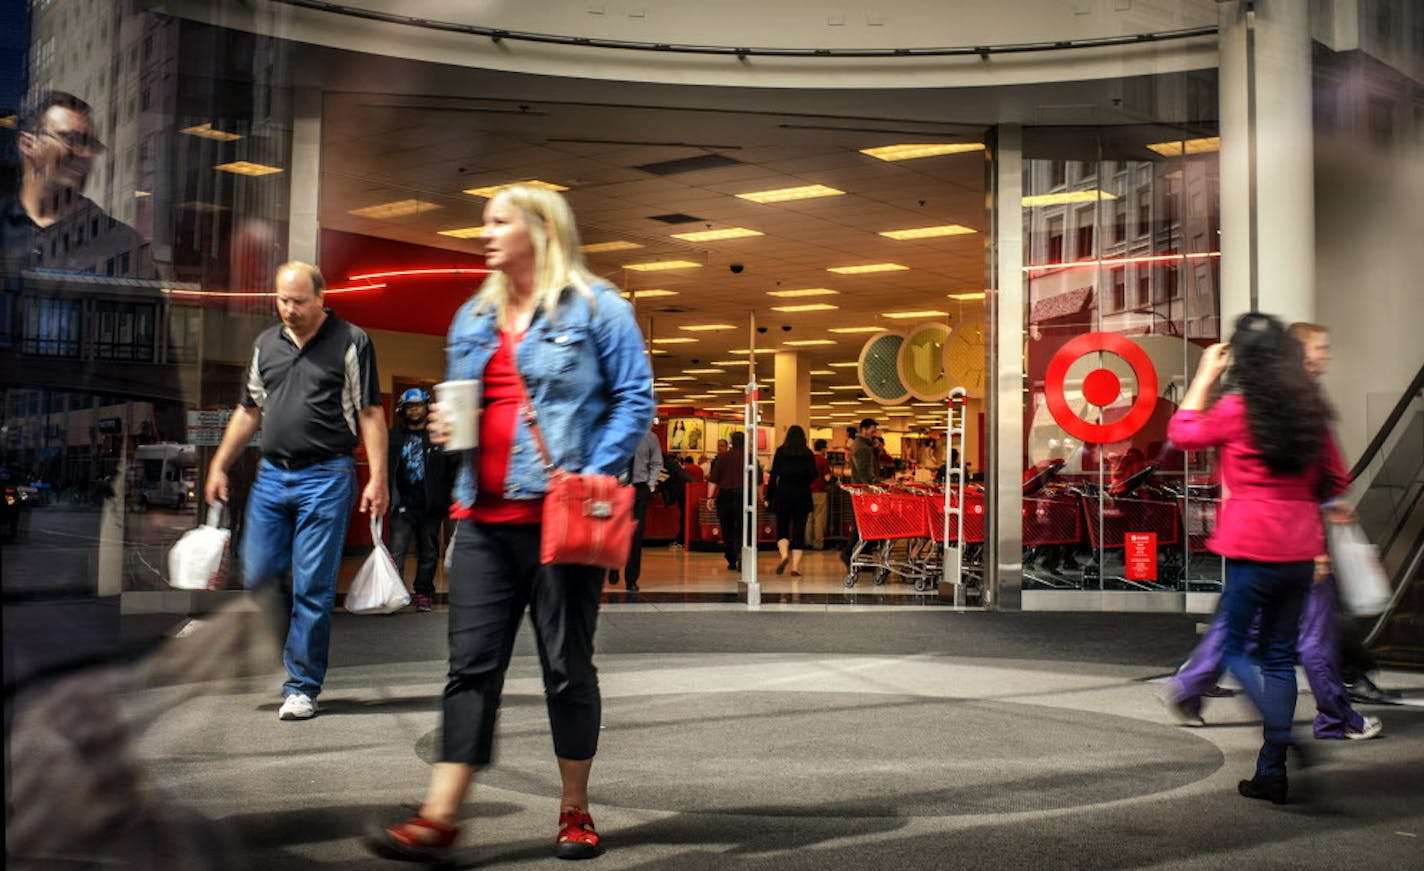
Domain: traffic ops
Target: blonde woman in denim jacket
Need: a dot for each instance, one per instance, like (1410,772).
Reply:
(543,317)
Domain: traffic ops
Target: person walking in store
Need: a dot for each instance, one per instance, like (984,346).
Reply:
(1275,469)
(643,475)
(544,330)
(672,487)
(820,498)
(420,493)
(862,471)
(793,469)
(725,490)
(1317,645)
(311,387)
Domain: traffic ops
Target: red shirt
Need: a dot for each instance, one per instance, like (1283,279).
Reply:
(499,421)
(1264,516)
(823,468)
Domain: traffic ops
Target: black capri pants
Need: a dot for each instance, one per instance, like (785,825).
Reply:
(494,576)
(791,524)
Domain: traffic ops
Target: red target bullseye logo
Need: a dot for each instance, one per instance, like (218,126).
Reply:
(1101,387)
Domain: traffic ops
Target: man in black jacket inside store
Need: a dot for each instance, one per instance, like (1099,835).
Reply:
(420,493)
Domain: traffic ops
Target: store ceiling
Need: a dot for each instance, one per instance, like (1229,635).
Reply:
(384,149)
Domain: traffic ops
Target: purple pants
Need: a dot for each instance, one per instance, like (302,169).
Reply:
(1318,652)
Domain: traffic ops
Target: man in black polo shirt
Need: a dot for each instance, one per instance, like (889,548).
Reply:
(312,389)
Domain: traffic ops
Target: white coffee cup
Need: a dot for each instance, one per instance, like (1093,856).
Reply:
(460,403)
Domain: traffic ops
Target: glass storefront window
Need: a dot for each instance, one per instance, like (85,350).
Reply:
(1108,503)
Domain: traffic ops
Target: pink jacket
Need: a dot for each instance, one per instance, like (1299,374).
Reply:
(1263,516)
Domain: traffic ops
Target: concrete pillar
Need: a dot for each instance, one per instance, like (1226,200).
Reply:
(791,399)
(1005,396)
(303,230)
(1267,161)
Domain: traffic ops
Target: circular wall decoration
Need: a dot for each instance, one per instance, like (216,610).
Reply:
(1101,387)
(920,363)
(878,369)
(964,353)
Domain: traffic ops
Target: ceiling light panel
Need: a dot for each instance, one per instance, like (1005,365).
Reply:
(660,265)
(396,209)
(808,343)
(867,268)
(805,291)
(246,167)
(758,350)
(855,329)
(718,235)
(967,296)
(927,313)
(1063,197)
(823,371)
(674,340)
(704,371)
(489,190)
(781,195)
(806,307)
(921,149)
(707,328)
(1189,146)
(678,378)
(647,294)
(603,247)
(850,364)
(206,131)
(462,232)
(929,232)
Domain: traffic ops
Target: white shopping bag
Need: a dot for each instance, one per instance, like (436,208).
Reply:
(1364,587)
(378,588)
(196,560)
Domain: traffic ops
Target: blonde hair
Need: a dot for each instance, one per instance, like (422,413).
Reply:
(1303,330)
(558,260)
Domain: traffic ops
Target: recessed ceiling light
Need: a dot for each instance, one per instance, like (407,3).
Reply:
(490,189)
(967,296)
(647,294)
(1059,199)
(922,149)
(717,235)
(929,232)
(729,362)
(246,167)
(758,350)
(1188,146)
(867,268)
(806,307)
(778,195)
(704,371)
(822,405)
(823,371)
(206,131)
(674,340)
(846,365)
(844,387)
(659,265)
(822,393)
(928,313)
(844,402)
(856,329)
(698,396)
(138,195)
(805,291)
(395,209)
(463,232)
(807,343)
(707,328)
(601,247)
(724,391)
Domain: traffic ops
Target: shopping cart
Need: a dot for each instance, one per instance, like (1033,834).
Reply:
(1052,529)
(884,517)
(944,526)
(1121,516)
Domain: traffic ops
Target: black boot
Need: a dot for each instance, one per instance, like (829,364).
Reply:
(1269,787)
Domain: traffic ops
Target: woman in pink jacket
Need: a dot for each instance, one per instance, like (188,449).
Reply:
(1278,463)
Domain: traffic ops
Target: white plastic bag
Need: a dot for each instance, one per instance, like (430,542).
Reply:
(195,561)
(378,588)
(1364,587)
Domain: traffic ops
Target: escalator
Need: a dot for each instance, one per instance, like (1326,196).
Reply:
(1389,497)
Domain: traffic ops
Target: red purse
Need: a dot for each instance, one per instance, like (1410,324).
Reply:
(588,519)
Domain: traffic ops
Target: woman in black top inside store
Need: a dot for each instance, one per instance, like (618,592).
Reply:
(793,468)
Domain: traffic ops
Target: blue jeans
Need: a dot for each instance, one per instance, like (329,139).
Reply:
(1275,591)
(297,520)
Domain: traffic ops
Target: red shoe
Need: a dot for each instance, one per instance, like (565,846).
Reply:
(415,840)
(577,837)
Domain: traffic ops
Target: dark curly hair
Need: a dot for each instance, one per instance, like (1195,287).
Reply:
(1284,406)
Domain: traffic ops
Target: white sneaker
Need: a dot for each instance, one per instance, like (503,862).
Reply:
(297,707)
(1372,727)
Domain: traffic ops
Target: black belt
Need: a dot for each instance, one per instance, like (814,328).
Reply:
(296,464)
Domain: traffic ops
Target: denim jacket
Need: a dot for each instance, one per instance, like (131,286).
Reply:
(588,379)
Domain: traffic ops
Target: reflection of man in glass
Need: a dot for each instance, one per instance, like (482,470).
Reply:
(49,223)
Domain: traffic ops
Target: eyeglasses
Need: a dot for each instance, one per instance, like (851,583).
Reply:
(77,140)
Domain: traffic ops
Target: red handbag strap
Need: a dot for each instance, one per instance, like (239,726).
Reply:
(526,406)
